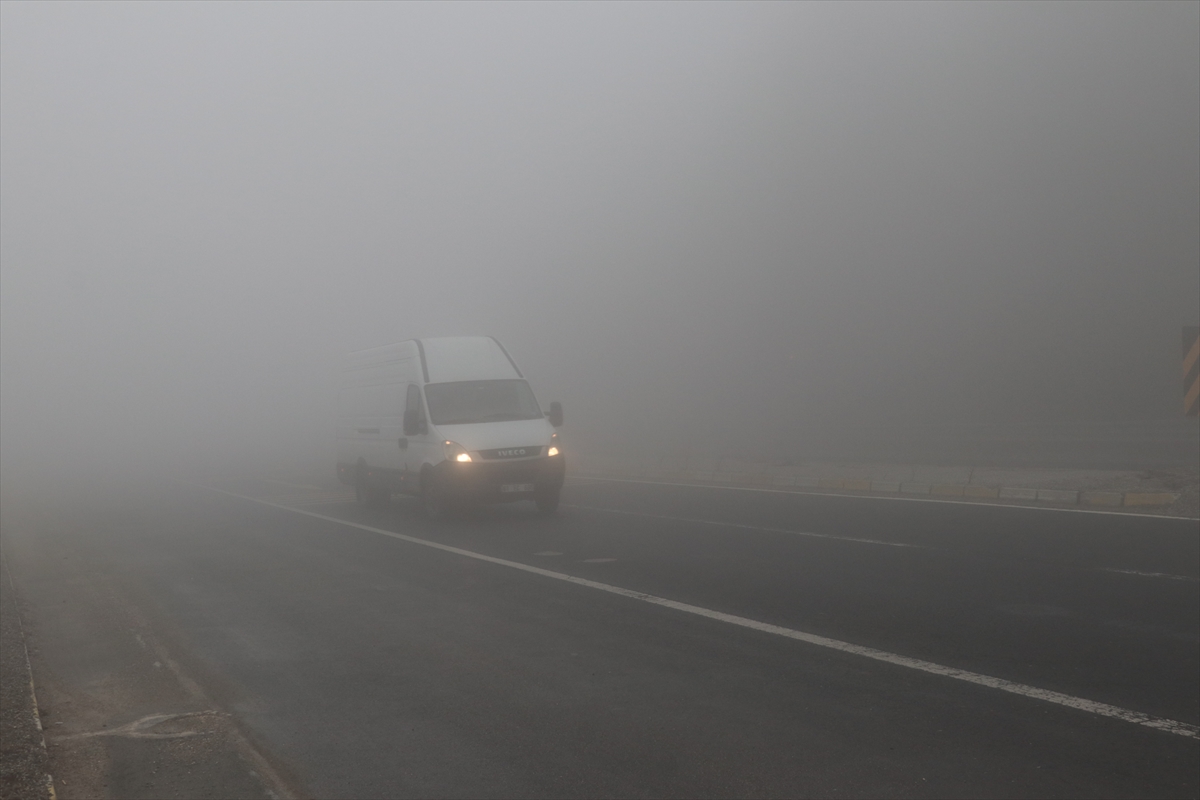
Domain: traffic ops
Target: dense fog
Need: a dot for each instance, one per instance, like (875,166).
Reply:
(705,228)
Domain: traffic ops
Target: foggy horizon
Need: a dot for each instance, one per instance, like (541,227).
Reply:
(692,224)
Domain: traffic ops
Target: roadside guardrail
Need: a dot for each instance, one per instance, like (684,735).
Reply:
(968,483)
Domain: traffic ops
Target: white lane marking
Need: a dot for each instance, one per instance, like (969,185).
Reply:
(852,539)
(306,486)
(548,553)
(598,560)
(1141,574)
(876,497)
(750,527)
(1164,575)
(1079,703)
(310,497)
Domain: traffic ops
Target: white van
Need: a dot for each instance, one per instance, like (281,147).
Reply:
(451,420)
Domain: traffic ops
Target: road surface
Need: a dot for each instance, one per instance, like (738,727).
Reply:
(255,638)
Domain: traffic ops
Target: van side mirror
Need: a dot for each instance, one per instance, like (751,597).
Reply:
(555,414)
(413,422)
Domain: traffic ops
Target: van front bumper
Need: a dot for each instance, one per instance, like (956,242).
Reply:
(498,481)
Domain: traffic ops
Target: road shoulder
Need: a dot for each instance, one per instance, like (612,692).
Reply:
(23,759)
(122,717)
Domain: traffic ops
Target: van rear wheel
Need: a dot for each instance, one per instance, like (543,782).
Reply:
(370,496)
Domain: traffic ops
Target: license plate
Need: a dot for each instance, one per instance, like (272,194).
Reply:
(516,487)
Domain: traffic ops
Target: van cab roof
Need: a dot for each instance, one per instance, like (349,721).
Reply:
(446,358)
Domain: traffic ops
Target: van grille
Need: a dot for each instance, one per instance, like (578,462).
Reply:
(511,452)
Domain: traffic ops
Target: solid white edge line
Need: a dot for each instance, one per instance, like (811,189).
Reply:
(1081,704)
(773,490)
(305,486)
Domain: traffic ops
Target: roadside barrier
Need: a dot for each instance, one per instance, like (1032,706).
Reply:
(937,482)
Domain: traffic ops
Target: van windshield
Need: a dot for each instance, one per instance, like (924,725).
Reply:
(464,402)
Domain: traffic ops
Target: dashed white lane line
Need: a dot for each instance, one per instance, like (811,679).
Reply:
(1141,574)
(884,498)
(749,527)
(1138,573)
(1058,698)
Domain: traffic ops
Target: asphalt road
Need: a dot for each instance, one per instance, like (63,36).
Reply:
(350,663)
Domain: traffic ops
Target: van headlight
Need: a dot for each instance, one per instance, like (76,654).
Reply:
(456,452)
(553,451)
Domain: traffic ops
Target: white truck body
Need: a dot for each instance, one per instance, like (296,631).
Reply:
(451,414)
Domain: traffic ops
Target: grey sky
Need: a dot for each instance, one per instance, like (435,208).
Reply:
(678,217)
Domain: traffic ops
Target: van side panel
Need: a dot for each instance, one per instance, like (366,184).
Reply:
(370,410)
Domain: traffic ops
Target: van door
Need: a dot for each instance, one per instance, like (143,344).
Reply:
(420,436)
